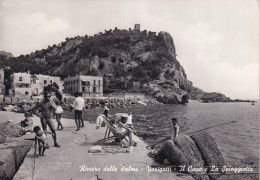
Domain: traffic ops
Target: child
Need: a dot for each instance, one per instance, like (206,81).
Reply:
(175,129)
(58,113)
(41,140)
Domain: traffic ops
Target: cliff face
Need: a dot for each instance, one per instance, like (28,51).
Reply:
(121,56)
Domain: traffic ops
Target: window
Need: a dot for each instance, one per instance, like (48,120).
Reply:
(20,78)
(99,82)
(77,81)
(94,82)
(50,81)
(45,81)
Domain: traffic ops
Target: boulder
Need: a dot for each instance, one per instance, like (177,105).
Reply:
(209,151)
(172,153)
(192,154)
(12,155)
(188,147)
(10,129)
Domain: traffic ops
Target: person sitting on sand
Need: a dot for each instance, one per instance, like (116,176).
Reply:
(27,123)
(124,129)
(175,128)
(41,140)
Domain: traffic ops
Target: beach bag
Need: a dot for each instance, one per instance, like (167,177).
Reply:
(59,110)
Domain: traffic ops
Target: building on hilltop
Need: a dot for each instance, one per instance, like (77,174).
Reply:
(87,85)
(25,84)
(138,27)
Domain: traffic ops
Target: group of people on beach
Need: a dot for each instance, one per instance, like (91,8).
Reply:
(51,106)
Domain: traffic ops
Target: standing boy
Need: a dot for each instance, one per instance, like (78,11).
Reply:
(78,105)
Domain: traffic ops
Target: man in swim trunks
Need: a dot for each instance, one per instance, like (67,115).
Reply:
(46,108)
(78,105)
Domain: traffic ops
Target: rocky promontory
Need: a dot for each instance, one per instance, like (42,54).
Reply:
(121,57)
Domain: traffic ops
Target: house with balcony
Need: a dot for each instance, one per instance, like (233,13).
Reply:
(20,84)
(87,85)
(25,84)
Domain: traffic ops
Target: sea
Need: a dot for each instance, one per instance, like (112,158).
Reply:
(238,139)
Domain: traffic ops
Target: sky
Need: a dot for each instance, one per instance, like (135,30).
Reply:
(216,41)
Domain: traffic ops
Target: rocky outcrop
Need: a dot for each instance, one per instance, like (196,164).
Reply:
(209,151)
(196,155)
(122,57)
(214,97)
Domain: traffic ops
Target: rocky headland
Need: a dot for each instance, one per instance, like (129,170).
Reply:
(121,57)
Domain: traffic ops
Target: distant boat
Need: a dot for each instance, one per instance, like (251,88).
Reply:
(253,103)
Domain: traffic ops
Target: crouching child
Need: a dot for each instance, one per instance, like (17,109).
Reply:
(40,141)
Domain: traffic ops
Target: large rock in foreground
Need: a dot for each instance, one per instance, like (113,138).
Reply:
(12,154)
(209,151)
(172,153)
(192,154)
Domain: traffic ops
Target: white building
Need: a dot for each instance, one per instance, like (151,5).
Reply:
(87,85)
(25,84)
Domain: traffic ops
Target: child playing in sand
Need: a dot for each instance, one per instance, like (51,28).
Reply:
(41,140)
(175,129)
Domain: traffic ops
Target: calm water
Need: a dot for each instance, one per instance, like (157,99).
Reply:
(237,141)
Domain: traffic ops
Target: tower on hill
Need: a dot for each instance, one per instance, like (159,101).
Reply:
(137,27)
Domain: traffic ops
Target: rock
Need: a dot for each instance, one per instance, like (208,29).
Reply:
(172,153)
(192,154)
(10,129)
(2,138)
(209,151)
(12,155)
